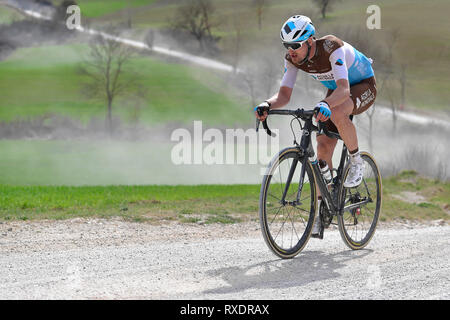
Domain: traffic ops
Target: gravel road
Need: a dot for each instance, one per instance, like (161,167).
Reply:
(113,259)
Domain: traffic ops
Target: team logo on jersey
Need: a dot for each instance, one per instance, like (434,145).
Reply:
(323,76)
(339,62)
(328,45)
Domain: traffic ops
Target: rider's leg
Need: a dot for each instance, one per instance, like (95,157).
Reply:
(340,117)
(347,130)
(325,149)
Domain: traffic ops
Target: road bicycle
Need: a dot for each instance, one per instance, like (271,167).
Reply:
(288,198)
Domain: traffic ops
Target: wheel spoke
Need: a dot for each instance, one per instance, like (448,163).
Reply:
(276,214)
(269,194)
(282,227)
(293,227)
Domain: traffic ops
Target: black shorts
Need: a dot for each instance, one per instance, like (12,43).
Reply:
(363,95)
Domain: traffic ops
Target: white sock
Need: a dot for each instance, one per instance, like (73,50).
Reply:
(355,158)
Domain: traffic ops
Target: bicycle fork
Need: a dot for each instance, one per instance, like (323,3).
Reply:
(306,153)
(303,148)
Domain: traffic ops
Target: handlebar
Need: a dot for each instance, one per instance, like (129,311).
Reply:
(299,113)
(305,115)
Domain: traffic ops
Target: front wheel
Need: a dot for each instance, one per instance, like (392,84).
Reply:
(361,206)
(286,223)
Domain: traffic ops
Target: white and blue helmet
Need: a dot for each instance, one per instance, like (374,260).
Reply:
(297,28)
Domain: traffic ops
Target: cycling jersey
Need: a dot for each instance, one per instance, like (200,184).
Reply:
(333,59)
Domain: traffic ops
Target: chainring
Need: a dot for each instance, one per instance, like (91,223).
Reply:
(325,217)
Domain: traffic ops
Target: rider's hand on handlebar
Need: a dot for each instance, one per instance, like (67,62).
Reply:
(261,111)
(323,111)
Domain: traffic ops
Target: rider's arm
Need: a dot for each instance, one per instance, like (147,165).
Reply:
(281,98)
(340,72)
(286,87)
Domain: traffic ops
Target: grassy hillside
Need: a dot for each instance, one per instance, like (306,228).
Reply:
(98,8)
(207,203)
(421,46)
(8,15)
(44,80)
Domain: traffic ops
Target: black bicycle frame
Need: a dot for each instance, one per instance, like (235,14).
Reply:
(306,153)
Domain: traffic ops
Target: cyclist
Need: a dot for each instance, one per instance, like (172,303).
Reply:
(349,77)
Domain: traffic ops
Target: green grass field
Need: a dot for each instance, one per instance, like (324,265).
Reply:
(44,80)
(8,15)
(206,203)
(138,203)
(98,8)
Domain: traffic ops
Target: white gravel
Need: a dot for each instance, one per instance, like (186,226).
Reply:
(113,259)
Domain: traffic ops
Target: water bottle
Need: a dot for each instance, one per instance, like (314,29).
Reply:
(326,173)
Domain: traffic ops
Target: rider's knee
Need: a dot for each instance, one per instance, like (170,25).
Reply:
(339,117)
(340,113)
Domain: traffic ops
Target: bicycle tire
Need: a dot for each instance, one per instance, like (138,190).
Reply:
(299,218)
(350,220)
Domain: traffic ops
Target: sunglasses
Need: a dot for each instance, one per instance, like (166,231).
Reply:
(293,45)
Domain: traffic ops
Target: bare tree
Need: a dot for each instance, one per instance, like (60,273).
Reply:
(403,83)
(324,6)
(386,82)
(236,25)
(129,16)
(390,75)
(260,6)
(150,38)
(268,74)
(370,113)
(135,104)
(260,78)
(105,69)
(249,78)
(195,18)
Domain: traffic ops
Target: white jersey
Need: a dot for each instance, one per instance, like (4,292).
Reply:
(334,59)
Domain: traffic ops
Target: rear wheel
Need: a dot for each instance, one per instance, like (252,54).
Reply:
(286,225)
(361,206)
